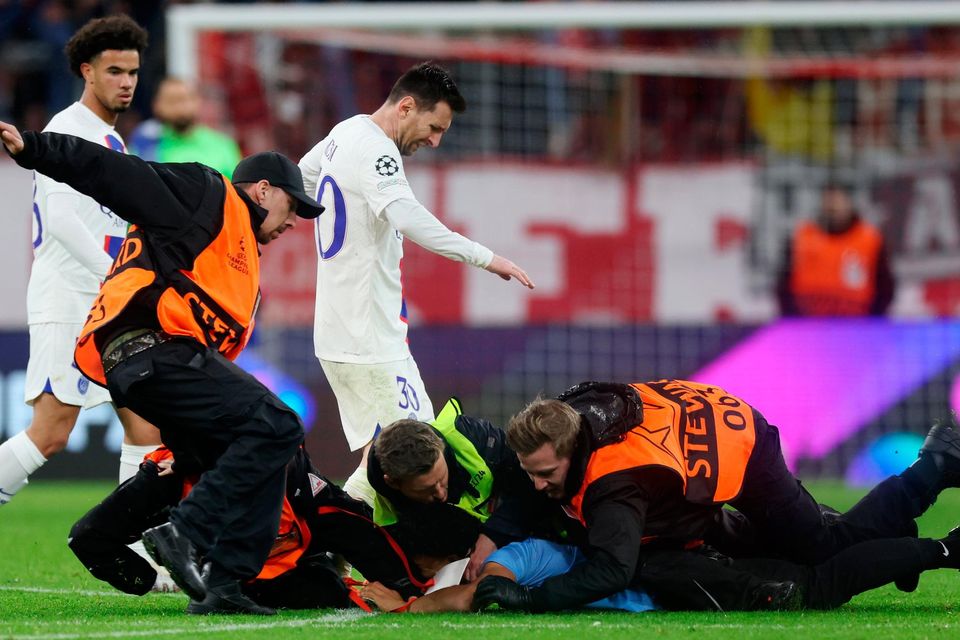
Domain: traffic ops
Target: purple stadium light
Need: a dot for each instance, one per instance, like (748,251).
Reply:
(955,396)
(820,381)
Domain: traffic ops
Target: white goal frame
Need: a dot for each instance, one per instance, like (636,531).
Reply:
(184,22)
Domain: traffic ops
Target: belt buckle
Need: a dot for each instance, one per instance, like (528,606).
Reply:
(132,346)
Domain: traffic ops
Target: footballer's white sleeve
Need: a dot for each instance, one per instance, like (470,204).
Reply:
(66,228)
(412,219)
(310,168)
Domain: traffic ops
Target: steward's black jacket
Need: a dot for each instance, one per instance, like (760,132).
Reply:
(178,205)
(622,510)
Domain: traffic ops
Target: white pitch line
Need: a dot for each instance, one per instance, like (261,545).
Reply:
(338,619)
(597,624)
(77,592)
(348,617)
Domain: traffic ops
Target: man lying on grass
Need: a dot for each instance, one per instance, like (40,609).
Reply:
(700,579)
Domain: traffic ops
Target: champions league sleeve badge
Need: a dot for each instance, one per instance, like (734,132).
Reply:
(386,166)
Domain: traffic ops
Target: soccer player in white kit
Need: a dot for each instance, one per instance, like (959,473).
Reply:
(74,242)
(360,328)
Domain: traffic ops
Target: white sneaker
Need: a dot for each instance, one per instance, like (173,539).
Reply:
(164,583)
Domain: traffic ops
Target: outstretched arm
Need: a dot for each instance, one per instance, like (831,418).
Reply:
(413,220)
(456,598)
(132,188)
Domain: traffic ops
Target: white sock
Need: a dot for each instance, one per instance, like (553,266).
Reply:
(19,457)
(357,486)
(164,583)
(131,456)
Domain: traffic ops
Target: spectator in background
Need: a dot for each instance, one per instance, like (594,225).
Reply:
(835,265)
(173,135)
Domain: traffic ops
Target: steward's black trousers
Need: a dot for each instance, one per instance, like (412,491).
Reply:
(788,522)
(218,420)
(705,580)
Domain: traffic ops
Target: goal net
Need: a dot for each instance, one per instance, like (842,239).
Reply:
(645,162)
(864,93)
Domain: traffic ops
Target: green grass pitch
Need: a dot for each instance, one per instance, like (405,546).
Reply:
(46,595)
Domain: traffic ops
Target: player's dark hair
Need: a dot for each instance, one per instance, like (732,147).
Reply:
(117,32)
(436,530)
(428,83)
(408,448)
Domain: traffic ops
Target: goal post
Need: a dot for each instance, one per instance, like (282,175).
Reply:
(184,22)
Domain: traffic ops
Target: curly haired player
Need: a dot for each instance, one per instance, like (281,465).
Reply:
(74,242)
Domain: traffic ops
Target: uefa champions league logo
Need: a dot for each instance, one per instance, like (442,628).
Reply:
(386,166)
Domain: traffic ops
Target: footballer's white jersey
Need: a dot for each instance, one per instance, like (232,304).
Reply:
(74,238)
(356,172)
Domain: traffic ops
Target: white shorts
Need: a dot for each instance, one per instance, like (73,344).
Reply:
(51,367)
(375,395)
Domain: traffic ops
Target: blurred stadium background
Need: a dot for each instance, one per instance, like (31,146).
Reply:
(644,161)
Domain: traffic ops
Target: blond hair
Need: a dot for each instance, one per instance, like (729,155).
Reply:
(543,421)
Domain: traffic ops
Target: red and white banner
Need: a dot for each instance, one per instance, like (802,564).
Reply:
(658,244)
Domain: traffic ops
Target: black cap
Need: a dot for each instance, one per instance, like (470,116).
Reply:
(279,171)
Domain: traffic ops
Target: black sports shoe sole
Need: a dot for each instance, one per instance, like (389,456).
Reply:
(158,548)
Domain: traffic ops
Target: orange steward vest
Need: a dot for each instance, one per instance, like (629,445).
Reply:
(214,302)
(835,274)
(293,534)
(699,432)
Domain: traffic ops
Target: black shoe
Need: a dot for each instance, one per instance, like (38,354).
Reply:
(943,445)
(908,584)
(174,551)
(227,598)
(778,596)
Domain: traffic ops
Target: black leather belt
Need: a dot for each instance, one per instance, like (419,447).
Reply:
(130,343)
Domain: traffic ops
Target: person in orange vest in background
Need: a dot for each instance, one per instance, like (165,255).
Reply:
(835,265)
(176,308)
(648,467)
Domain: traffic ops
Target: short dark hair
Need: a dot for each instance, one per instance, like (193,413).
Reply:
(117,32)
(428,83)
(436,530)
(408,448)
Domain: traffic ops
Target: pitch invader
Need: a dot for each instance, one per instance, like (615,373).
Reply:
(360,327)
(74,241)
